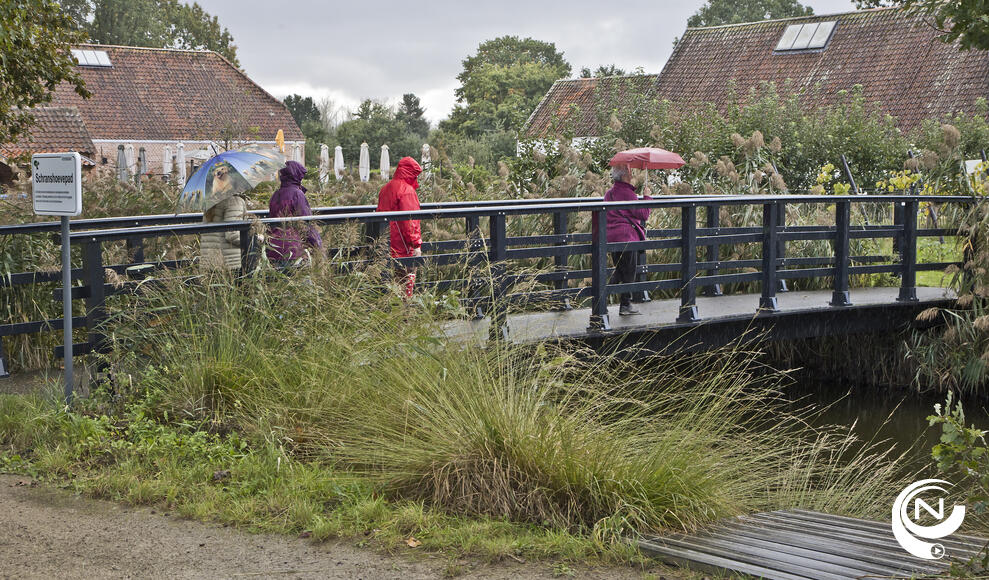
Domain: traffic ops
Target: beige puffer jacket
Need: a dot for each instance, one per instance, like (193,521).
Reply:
(222,249)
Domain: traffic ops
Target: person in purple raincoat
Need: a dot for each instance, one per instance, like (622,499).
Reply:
(624,225)
(289,242)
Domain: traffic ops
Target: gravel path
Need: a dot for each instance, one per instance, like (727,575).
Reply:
(50,533)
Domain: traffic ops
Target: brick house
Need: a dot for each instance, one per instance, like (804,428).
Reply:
(158,98)
(897,58)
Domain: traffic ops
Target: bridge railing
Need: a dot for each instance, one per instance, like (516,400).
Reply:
(562,283)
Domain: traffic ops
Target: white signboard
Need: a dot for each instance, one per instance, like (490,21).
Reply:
(57,183)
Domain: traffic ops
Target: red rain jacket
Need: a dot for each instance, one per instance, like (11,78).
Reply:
(399,194)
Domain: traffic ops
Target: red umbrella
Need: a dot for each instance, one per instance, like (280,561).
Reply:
(648,158)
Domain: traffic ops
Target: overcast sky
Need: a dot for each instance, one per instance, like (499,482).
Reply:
(349,51)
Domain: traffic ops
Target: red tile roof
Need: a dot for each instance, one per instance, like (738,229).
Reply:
(571,104)
(896,57)
(165,94)
(56,129)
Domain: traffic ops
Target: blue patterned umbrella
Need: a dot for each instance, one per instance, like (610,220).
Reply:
(227,174)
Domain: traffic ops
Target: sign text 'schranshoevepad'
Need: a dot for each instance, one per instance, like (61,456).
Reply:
(57,183)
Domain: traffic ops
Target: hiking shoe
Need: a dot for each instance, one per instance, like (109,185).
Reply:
(627,311)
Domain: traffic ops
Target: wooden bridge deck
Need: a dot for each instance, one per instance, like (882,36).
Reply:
(807,313)
(800,544)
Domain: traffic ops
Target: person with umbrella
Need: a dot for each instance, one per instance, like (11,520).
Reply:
(287,246)
(624,225)
(218,188)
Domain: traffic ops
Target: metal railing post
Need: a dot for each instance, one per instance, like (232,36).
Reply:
(599,273)
(713,220)
(561,225)
(770,245)
(497,254)
(688,264)
(842,219)
(475,243)
(94,277)
(250,251)
(908,248)
(4,362)
(781,244)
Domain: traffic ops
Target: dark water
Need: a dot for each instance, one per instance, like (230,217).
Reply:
(899,416)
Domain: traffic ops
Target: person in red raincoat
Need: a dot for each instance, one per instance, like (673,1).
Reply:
(399,194)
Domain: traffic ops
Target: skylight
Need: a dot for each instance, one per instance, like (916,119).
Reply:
(92,57)
(809,36)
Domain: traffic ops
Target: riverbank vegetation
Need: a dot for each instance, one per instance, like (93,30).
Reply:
(319,404)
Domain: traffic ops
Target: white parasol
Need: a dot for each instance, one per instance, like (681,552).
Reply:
(385,165)
(123,172)
(166,161)
(324,164)
(364,165)
(338,162)
(180,161)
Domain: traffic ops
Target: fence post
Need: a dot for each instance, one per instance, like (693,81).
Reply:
(472,227)
(135,249)
(688,264)
(4,363)
(908,249)
(561,224)
(781,245)
(250,251)
(599,272)
(842,219)
(497,255)
(713,221)
(94,278)
(770,245)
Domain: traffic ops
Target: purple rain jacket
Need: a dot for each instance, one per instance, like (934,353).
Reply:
(625,225)
(288,201)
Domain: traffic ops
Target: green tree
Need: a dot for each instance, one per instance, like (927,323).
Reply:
(411,115)
(373,123)
(718,12)
(34,58)
(153,23)
(602,71)
(303,109)
(966,21)
(502,84)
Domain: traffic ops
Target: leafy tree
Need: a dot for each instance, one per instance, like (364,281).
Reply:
(502,84)
(602,71)
(302,109)
(153,23)
(34,58)
(966,21)
(718,12)
(411,115)
(373,123)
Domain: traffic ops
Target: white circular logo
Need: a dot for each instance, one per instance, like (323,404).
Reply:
(907,531)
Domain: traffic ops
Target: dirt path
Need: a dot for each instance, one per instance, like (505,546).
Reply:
(50,533)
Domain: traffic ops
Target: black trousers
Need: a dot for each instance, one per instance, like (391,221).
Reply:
(624,273)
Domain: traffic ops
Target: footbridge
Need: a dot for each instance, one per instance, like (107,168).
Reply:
(711,268)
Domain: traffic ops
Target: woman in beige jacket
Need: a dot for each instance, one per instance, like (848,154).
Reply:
(222,249)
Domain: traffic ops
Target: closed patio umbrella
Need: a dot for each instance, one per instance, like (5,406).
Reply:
(142,167)
(180,161)
(426,162)
(324,164)
(364,164)
(338,162)
(166,161)
(385,165)
(123,174)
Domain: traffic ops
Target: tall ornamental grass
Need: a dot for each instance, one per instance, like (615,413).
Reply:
(338,371)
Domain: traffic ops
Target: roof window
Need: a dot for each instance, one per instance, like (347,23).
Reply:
(96,58)
(809,36)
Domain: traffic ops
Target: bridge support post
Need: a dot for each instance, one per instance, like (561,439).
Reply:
(472,225)
(561,225)
(250,251)
(908,249)
(599,273)
(770,246)
(95,279)
(713,220)
(842,220)
(498,253)
(4,363)
(781,245)
(688,264)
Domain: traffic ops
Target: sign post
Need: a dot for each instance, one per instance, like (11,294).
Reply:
(56,180)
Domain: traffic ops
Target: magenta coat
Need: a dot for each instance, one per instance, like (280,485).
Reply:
(625,225)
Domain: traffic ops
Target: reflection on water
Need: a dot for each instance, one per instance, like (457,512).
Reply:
(899,416)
